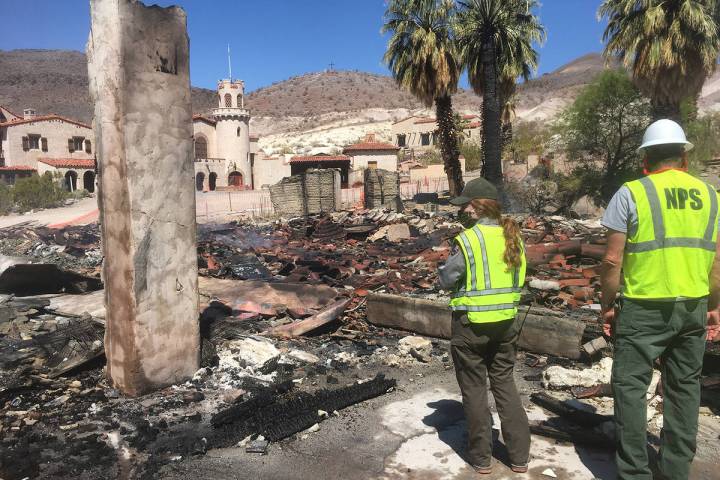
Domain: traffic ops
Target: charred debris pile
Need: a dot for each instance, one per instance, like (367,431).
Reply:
(300,318)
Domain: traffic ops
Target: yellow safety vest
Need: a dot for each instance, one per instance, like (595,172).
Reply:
(491,292)
(672,251)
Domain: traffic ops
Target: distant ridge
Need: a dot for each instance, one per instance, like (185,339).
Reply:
(55,81)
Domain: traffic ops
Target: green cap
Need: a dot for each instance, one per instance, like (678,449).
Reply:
(477,188)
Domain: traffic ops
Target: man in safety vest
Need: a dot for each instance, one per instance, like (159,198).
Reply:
(662,233)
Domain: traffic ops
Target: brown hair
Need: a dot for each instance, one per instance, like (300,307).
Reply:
(485,207)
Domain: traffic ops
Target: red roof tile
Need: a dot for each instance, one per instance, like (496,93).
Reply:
(10,112)
(42,118)
(320,158)
(474,125)
(68,162)
(17,168)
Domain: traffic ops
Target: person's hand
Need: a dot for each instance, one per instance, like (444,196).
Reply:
(608,318)
(713,324)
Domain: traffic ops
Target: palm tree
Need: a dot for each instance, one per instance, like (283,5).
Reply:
(495,39)
(518,61)
(422,57)
(669,46)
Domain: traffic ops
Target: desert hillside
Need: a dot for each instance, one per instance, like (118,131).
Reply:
(314,112)
(56,81)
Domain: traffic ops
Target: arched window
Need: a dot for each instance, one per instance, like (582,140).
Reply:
(199,181)
(200,148)
(238,131)
(212,180)
(228,100)
(239,100)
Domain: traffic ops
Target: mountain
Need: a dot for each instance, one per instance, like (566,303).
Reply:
(313,112)
(56,81)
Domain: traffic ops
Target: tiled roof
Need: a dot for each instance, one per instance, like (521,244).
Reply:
(17,168)
(68,162)
(254,137)
(42,118)
(320,158)
(10,112)
(370,146)
(474,125)
(203,118)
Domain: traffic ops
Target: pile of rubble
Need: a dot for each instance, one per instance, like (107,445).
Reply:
(295,324)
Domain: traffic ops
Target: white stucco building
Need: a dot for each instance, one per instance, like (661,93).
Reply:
(31,143)
(420,133)
(224,149)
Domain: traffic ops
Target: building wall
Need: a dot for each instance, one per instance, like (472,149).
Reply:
(57,133)
(432,172)
(234,147)
(270,170)
(207,167)
(413,133)
(201,128)
(385,160)
(59,174)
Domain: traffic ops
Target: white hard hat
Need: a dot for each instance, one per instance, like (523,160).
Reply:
(664,132)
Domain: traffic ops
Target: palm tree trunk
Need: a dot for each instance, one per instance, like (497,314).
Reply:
(507,136)
(449,144)
(491,116)
(663,110)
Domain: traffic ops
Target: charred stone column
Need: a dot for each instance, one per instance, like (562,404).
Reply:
(140,82)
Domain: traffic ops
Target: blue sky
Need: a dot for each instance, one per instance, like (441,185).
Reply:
(272,40)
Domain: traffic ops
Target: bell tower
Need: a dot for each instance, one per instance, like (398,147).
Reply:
(233,132)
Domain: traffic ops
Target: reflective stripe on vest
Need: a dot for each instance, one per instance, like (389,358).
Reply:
(496,296)
(671,252)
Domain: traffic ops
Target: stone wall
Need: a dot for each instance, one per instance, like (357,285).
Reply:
(382,189)
(309,193)
(140,82)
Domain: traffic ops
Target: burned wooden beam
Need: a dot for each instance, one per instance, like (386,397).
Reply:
(278,417)
(577,436)
(568,412)
(544,331)
(330,313)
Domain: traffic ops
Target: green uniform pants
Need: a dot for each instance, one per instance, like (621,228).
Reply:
(675,333)
(487,350)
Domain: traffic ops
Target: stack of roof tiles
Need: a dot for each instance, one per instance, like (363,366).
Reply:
(308,193)
(382,189)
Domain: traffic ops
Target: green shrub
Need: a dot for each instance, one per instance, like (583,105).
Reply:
(38,192)
(472,151)
(6,199)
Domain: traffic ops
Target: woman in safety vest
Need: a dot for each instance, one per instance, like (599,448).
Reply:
(485,272)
